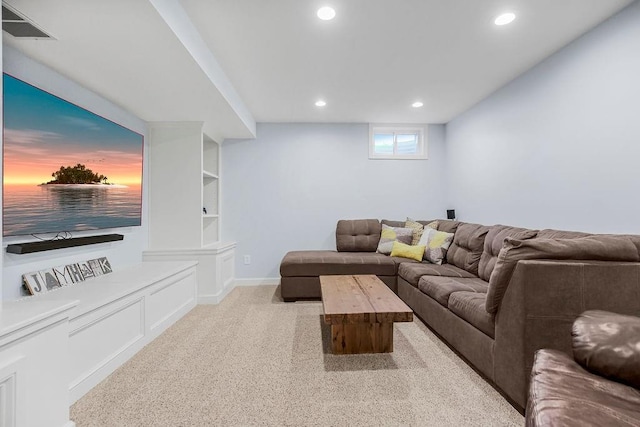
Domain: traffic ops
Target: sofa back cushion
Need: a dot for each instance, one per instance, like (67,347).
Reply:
(357,235)
(448,226)
(549,233)
(493,244)
(596,248)
(401,224)
(466,249)
(391,223)
(635,239)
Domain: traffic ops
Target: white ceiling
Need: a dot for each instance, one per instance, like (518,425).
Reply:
(369,63)
(124,51)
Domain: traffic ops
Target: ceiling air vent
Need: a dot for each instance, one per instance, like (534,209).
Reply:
(18,26)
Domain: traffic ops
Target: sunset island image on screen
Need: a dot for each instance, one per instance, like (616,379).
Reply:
(65,168)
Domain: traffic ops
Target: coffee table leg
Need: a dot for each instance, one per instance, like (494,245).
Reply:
(362,338)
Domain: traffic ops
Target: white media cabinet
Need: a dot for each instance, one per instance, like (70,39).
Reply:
(55,347)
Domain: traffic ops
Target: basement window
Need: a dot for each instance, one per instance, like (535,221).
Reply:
(400,142)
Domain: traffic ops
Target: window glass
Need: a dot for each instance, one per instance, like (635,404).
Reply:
(383,143)
(407,143)
(401,142)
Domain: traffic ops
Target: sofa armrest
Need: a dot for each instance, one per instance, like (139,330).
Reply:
(608,344)
(541,302)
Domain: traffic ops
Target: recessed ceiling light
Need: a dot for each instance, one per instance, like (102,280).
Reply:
(326,13)
(505,18)
(320,103)
(417,104)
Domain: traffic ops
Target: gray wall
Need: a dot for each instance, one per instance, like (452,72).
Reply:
(121,254)
(287,189)
(560,145)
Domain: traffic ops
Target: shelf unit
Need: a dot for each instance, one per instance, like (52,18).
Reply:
(210,191)
(184,171)
(184,182)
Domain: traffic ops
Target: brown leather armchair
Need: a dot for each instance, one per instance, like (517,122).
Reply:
(599,386)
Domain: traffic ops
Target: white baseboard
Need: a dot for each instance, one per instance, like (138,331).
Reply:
(214,299)
(257,281)
(217,298)
(70,424)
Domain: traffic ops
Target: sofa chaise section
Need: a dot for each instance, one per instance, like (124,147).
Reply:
(300,271)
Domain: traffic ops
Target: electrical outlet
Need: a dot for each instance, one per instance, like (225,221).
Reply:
(247,259)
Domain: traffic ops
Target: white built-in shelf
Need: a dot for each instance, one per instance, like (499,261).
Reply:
(209,175)
(179,228)
(210,190)
(178,198)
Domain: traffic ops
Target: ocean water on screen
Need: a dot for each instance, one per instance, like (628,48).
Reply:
(32,209)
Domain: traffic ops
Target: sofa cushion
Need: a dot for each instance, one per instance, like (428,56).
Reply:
(466,249)
(412,272)
(436,244)
(562,393)
(596,248)
(357,235)
(448,226)
(549,233)
(493,244)
(391,223)
(608,344)
(440,288)
(393,234)
(401,250)
(470,307)
(635,239)
(399,261)
(317,263)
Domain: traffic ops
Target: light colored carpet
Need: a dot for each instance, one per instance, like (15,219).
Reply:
(254,360)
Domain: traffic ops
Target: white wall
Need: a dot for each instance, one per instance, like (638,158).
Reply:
(559,146)
(287,189)
(121,254)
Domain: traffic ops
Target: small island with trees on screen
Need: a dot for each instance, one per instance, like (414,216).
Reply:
(77,176)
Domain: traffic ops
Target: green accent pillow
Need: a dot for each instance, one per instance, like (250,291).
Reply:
(407,251)
(437,243)
(390,235)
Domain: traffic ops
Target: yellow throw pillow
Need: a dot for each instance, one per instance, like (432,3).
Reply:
(407,251)
(391,234)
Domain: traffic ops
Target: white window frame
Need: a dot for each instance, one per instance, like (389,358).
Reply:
(420,130)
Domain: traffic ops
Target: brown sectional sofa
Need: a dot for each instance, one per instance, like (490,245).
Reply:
(503,293)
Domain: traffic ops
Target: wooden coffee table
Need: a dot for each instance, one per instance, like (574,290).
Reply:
(361,310)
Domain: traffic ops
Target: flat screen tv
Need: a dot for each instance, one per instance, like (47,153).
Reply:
(65,169)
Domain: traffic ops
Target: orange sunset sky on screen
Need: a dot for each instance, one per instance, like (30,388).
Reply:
(20,171)
(43,132)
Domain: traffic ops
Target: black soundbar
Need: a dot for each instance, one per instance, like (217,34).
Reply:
(49,245)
